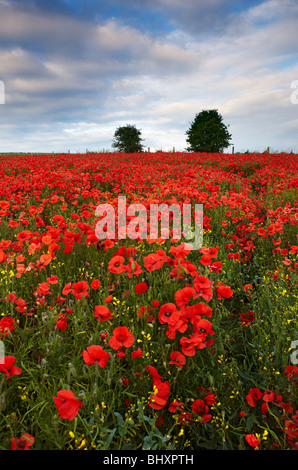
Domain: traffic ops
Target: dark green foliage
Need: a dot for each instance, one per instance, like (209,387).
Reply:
(207,133)
(128,139)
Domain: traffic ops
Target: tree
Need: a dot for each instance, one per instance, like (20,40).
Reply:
(208,133)
(128,139)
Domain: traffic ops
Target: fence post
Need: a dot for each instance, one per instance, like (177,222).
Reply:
(233,150)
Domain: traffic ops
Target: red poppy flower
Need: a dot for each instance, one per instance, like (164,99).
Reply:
(141,288)
(67,289)
(7,325)
(43,289)
(247,317)
(53,279)
(223,292)
(137,353)
(205,260)
(177,359)
(11,297)
(153,262)
(61,324)
(116,265)
(67,404)
(121,337)
(102,313)
(95,354)
(216,267)
(121,354)
(5,205)
(21,305)
(46,239)
(210,399)
(188,346)
(108,244)
(44,260)
(168,313)
(24,236)
(253,396)
(174,406)
(23,443)
(133,268)
(203,327)
(185,418)
(291,372)
(268,396)
(291,428)
(180,251)
(161,391)
(131,251)
(203,287)
(183,296)
(261,231)
(252,440)
(206,417)
(264,408)
(247,287)
(153,372)
(203,309)
(198,406)
(80,288)
(145,311)
(95,284)
(7,366)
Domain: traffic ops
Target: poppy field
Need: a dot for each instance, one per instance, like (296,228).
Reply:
(141,344)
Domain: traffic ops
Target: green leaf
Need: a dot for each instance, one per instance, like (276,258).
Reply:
(251,420)
(110,437)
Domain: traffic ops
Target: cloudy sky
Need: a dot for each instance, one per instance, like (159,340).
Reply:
(72,71)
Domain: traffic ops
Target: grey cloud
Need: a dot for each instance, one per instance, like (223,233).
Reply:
(84,78)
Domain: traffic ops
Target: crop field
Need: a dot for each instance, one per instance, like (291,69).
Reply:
(142,343)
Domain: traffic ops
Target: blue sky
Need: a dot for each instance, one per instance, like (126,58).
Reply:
(75,70)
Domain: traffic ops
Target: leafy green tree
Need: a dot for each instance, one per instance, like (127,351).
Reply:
(128,139)
(208,133)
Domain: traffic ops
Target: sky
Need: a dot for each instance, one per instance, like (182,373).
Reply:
(73,71)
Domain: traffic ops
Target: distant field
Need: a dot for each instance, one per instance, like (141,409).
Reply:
(141,343)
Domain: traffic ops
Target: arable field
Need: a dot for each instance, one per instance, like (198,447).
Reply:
(142,344)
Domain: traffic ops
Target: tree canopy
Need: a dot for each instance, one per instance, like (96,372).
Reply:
(128,139)
(208,133)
